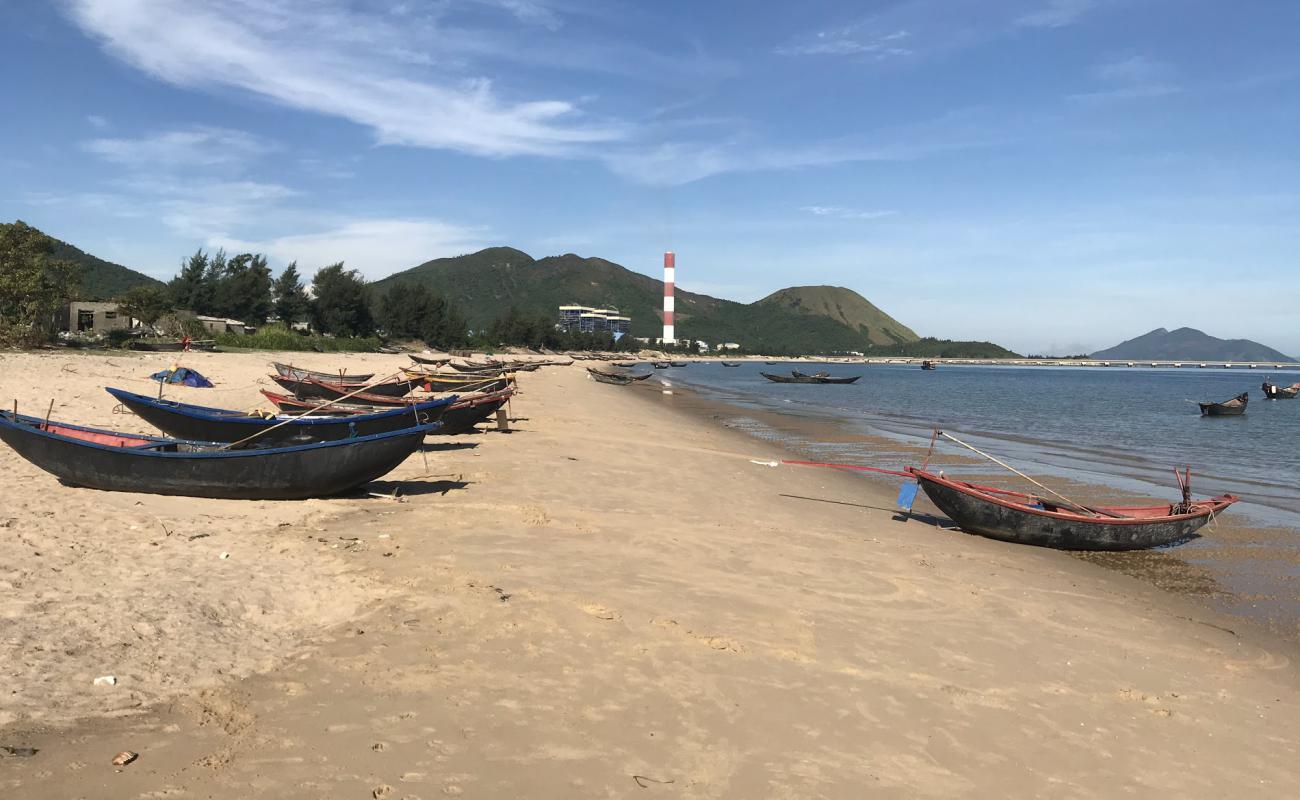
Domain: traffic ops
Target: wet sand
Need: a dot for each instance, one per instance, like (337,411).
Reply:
(611,600)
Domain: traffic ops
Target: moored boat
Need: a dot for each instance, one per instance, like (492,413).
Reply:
(730,364)
(186,421)
(796,376)
(114,461)
(1228,408)
(1028,519)
(1274,392)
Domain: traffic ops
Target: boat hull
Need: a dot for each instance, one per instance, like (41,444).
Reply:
(192,470)
(184,421)
(1060,531)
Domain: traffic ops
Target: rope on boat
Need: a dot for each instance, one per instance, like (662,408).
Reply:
(1005,465)
(844,466)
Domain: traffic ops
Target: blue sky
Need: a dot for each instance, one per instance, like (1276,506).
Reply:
(1048,174)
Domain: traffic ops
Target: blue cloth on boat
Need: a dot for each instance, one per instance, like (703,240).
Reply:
(184,376)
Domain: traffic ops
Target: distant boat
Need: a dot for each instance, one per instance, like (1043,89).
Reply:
(660,365)
(679,363)
(729,364)
(771,363)
(927,364)
(625,364)
(1228,408)
(1273,392)
(798,377)
(1026,519)
(290,371)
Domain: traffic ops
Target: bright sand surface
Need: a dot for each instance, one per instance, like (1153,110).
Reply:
(610,601)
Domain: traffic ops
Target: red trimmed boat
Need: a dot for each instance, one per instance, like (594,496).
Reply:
(1029,519)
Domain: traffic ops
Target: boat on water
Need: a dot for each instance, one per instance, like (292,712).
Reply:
(929,365)
(625,364)
(186,421)
(679,363)
(103,459)
(460,417)
(1029,519)
(1228,408)
(660,365)
(730,364)
(290,371)
(796,376)
(1274,392)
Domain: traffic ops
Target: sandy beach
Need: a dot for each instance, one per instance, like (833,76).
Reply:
(612,600)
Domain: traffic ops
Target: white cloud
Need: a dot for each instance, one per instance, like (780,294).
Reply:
(1130,77)
(376,247)
(327,57)
(191,148)
(846,213)
(1055,14)
(846,41)
(97,121)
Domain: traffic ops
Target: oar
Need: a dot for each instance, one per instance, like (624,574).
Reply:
(326,404)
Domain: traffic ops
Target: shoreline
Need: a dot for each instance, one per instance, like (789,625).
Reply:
(613,591)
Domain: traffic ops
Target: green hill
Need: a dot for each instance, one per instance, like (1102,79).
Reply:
(844,306)
(487,283)
(100,279)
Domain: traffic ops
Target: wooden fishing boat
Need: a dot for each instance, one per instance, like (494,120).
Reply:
(315,388)
(929,365)
(660,365)
(679,363)
(170,346)
(606,377)
(1027,519)
(487,366)
(459,382)
(460,417)
(113,461)
(798,377)
(730,364)
(289,371)
(1228,408)
(625,364)
(430,360)
(185,421)
(1274,392)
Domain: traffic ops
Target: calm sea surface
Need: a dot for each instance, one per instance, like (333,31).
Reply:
(1124,427)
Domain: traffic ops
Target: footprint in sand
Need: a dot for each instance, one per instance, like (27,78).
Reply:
(381,791)
(536,516)
(599,611)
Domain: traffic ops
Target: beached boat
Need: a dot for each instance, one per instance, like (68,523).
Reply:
(796,376)
(185,421)
(625,364)
(290,371)
(459,382)
(1228,408)
(460,417)
(314,388)
(606,377)
(171,346)
(1028,519)
(1274,392)
(489,366)
(430,360)
(122,462)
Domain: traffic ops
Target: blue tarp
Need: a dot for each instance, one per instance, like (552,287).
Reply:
(183,376)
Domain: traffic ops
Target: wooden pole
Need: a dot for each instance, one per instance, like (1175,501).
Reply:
(48,412)
(326,404)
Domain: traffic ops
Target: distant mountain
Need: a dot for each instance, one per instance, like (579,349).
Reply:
(804,320)
(845,306)
(1189,344)
(100,279)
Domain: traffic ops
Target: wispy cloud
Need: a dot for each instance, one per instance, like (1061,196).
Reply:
(1130,77)
(836,212)
(327,57)
(193,147)
(376,247)
(849,40)
(97,121)
(1055,14)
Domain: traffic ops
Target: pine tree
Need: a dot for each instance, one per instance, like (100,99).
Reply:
(291,303)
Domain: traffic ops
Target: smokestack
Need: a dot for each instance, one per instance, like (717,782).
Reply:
(670,270)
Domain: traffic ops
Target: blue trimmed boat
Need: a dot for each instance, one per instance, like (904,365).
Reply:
(185,421)
(125,462)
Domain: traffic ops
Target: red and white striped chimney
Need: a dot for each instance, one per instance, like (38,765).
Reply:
(670,270)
